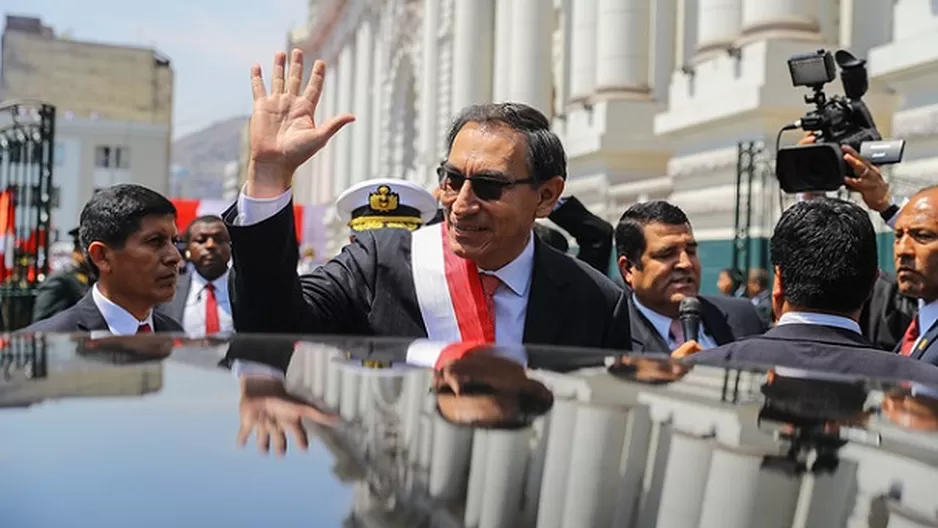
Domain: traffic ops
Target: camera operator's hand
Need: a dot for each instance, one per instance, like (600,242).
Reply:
(869,181)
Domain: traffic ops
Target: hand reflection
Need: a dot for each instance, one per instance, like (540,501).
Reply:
(267,407)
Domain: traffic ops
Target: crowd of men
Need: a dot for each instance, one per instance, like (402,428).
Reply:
(473,264)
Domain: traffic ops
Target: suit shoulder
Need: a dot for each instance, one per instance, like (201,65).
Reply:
(163,320)
(582,273)
(63,321)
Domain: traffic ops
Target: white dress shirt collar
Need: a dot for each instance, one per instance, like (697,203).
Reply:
(221,284)
(119,321)
(516,275)
(812,318)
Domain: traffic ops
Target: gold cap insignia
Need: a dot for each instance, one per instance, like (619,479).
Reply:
(383,200)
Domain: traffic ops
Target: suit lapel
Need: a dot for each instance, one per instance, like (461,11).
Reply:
(715,323)
(644,336)
(925,346)
(89,318)
(543,322)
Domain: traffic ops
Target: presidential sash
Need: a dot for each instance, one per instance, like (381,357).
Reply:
(449,291)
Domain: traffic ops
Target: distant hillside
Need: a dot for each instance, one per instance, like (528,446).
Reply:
(203,155)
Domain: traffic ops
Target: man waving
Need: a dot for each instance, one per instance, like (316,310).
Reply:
(478,276)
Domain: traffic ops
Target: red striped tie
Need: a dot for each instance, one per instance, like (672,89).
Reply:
(490,284)
(144,329)
(911,335)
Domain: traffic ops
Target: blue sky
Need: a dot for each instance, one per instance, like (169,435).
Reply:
(212,43)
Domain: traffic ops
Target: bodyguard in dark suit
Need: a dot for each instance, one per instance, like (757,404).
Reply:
(824,253)
(657,257)
(504,169)
(916,254)
(128,234)
(202,303)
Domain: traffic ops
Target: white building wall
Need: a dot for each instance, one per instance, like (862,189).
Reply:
(649,97)
(80,169)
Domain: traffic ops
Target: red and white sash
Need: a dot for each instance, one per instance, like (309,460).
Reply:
(449,291)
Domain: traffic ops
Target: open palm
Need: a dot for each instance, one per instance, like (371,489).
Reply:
(283,130)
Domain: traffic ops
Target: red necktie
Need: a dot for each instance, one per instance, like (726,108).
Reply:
(490,285)
(911,334)
(144,329)
(211,310)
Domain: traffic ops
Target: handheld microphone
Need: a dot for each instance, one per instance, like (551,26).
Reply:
(690,318)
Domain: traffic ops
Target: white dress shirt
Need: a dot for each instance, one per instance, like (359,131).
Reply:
(119,321)
(662,324)
(511,298)
(193,317)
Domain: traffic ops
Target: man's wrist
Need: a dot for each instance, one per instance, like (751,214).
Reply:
(881,203)
(267,180)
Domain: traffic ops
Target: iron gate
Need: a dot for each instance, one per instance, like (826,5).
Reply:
(27,150)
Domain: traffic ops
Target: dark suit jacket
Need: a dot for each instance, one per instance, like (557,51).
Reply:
(368,290)
(592,234)
(85,317)
(726,319)
(887,313)
(819,348)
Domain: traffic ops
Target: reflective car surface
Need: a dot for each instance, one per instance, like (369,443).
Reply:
(288,431)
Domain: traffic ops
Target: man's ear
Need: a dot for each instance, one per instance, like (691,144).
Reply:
(625,269)
(548,194)
(778,293)
(100,256)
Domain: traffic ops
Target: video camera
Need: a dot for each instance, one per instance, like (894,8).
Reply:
(836,121)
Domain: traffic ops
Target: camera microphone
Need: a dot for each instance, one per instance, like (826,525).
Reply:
(690,318)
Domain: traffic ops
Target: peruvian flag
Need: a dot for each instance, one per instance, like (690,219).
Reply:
(8,232)
(188,210)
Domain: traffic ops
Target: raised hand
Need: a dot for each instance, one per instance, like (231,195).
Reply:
(284,133)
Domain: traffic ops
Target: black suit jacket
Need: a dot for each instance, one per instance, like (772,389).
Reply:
(822,349)
(368,290)
(726,319)
(887,313)
(592,234)
(85,317)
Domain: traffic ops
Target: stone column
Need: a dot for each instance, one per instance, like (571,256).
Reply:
(428,93)
(582,50)
(449,465)
(563,418)
(328,102)
(379,76)
(344,103)
(593,479)
(718,24)
(473,36)
(622,47)
(350,391)
(531,57)
(781,19)
(504,40)
(361,129)
(684,480)
(506,455)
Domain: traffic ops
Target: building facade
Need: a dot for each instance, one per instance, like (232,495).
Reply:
(651,98)
(113,110)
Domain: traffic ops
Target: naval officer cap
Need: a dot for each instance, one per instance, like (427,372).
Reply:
(386,202)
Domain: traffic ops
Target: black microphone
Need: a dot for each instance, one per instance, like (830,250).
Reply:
(690,318)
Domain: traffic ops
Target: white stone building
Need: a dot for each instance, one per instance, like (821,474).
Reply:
(650,97)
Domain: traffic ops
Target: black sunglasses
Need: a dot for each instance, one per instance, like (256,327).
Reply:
(486,189)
